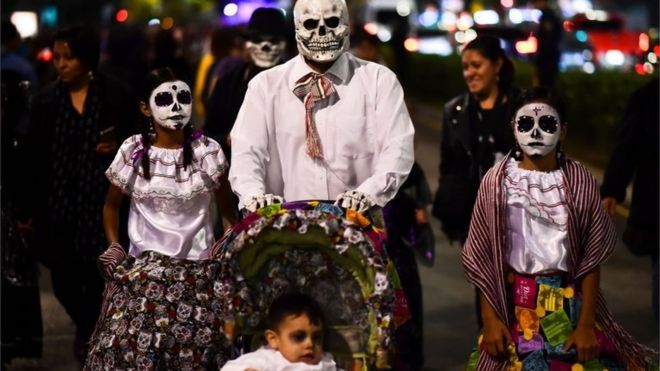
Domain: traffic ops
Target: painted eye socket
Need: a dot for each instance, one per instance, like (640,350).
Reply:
(311,24)
(525,124)
(549,124)
(184,97)
(332,22)
(164,99)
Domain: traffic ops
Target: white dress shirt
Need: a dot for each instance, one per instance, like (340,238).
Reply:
(268,359)
(366,135)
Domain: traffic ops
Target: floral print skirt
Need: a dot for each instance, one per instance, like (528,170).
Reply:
(163,313)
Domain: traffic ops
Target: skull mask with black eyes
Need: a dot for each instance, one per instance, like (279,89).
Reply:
(266,51)
(321,29)
(171,104)
(537,129)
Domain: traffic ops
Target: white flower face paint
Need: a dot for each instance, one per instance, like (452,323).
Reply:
(321,29)
(537,129)
(266,52)
(171,104)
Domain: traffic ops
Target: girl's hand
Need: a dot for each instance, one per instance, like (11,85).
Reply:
(496,338)
(110,259)
(609,204)
(420,216)
(584,340)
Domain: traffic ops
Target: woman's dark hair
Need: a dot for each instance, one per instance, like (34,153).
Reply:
(489,47)
(154,79)
(84,42)
(294,304)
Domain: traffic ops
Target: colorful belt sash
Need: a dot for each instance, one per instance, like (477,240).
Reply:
(544,311)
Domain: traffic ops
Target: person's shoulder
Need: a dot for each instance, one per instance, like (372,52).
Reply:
(578,173)
(372,68)
(205,143)
(45,95)
(131,143)
(231,68)
(273,78)
(456,103)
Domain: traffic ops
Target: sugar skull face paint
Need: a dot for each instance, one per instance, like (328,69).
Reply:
(171,104)
(537,129)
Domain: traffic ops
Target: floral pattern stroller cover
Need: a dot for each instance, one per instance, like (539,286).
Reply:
(338,257)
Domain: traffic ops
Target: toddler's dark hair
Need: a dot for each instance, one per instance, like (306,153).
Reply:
(294,304)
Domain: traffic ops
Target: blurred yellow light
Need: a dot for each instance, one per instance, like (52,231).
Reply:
(411,44)
(528,46)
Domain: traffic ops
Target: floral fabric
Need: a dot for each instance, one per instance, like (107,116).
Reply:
(165,314)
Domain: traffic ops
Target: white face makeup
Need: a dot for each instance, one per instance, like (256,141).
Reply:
(171,104)
(266,51)
(537,129)
(322,31)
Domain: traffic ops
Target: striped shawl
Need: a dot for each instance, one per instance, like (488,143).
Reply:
(592,238)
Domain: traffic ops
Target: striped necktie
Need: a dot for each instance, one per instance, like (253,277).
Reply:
(313,88)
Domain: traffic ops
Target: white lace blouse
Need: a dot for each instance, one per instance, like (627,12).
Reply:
(172,212)
(537,219)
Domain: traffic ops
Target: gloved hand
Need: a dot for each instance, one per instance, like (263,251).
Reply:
(355,200)
(110,259)
(255,203)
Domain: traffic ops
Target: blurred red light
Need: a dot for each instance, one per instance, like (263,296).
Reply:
(656,50)
(639,68)
(568,26)
(45,55)
(122,15)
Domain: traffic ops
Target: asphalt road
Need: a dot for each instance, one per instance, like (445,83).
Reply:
(450,322)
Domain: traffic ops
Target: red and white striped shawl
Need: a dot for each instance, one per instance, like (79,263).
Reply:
(592,238)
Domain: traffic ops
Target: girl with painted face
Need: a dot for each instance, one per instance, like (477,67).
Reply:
(537,238)
(164,286)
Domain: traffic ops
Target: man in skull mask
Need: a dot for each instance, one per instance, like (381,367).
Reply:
(324,125)
(266,44)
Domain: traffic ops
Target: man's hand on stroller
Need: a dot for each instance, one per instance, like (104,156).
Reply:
(355,200)
(255,203)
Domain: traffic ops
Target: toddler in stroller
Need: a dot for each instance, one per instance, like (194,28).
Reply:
(335,256)
(295,328)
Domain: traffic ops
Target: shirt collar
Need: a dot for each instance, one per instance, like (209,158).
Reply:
(338,71)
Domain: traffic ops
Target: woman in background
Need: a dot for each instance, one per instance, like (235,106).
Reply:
(476,133)
(76,124)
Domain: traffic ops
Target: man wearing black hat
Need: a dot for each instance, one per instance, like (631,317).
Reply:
(266,43)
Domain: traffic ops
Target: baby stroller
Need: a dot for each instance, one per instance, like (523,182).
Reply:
(335,256)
